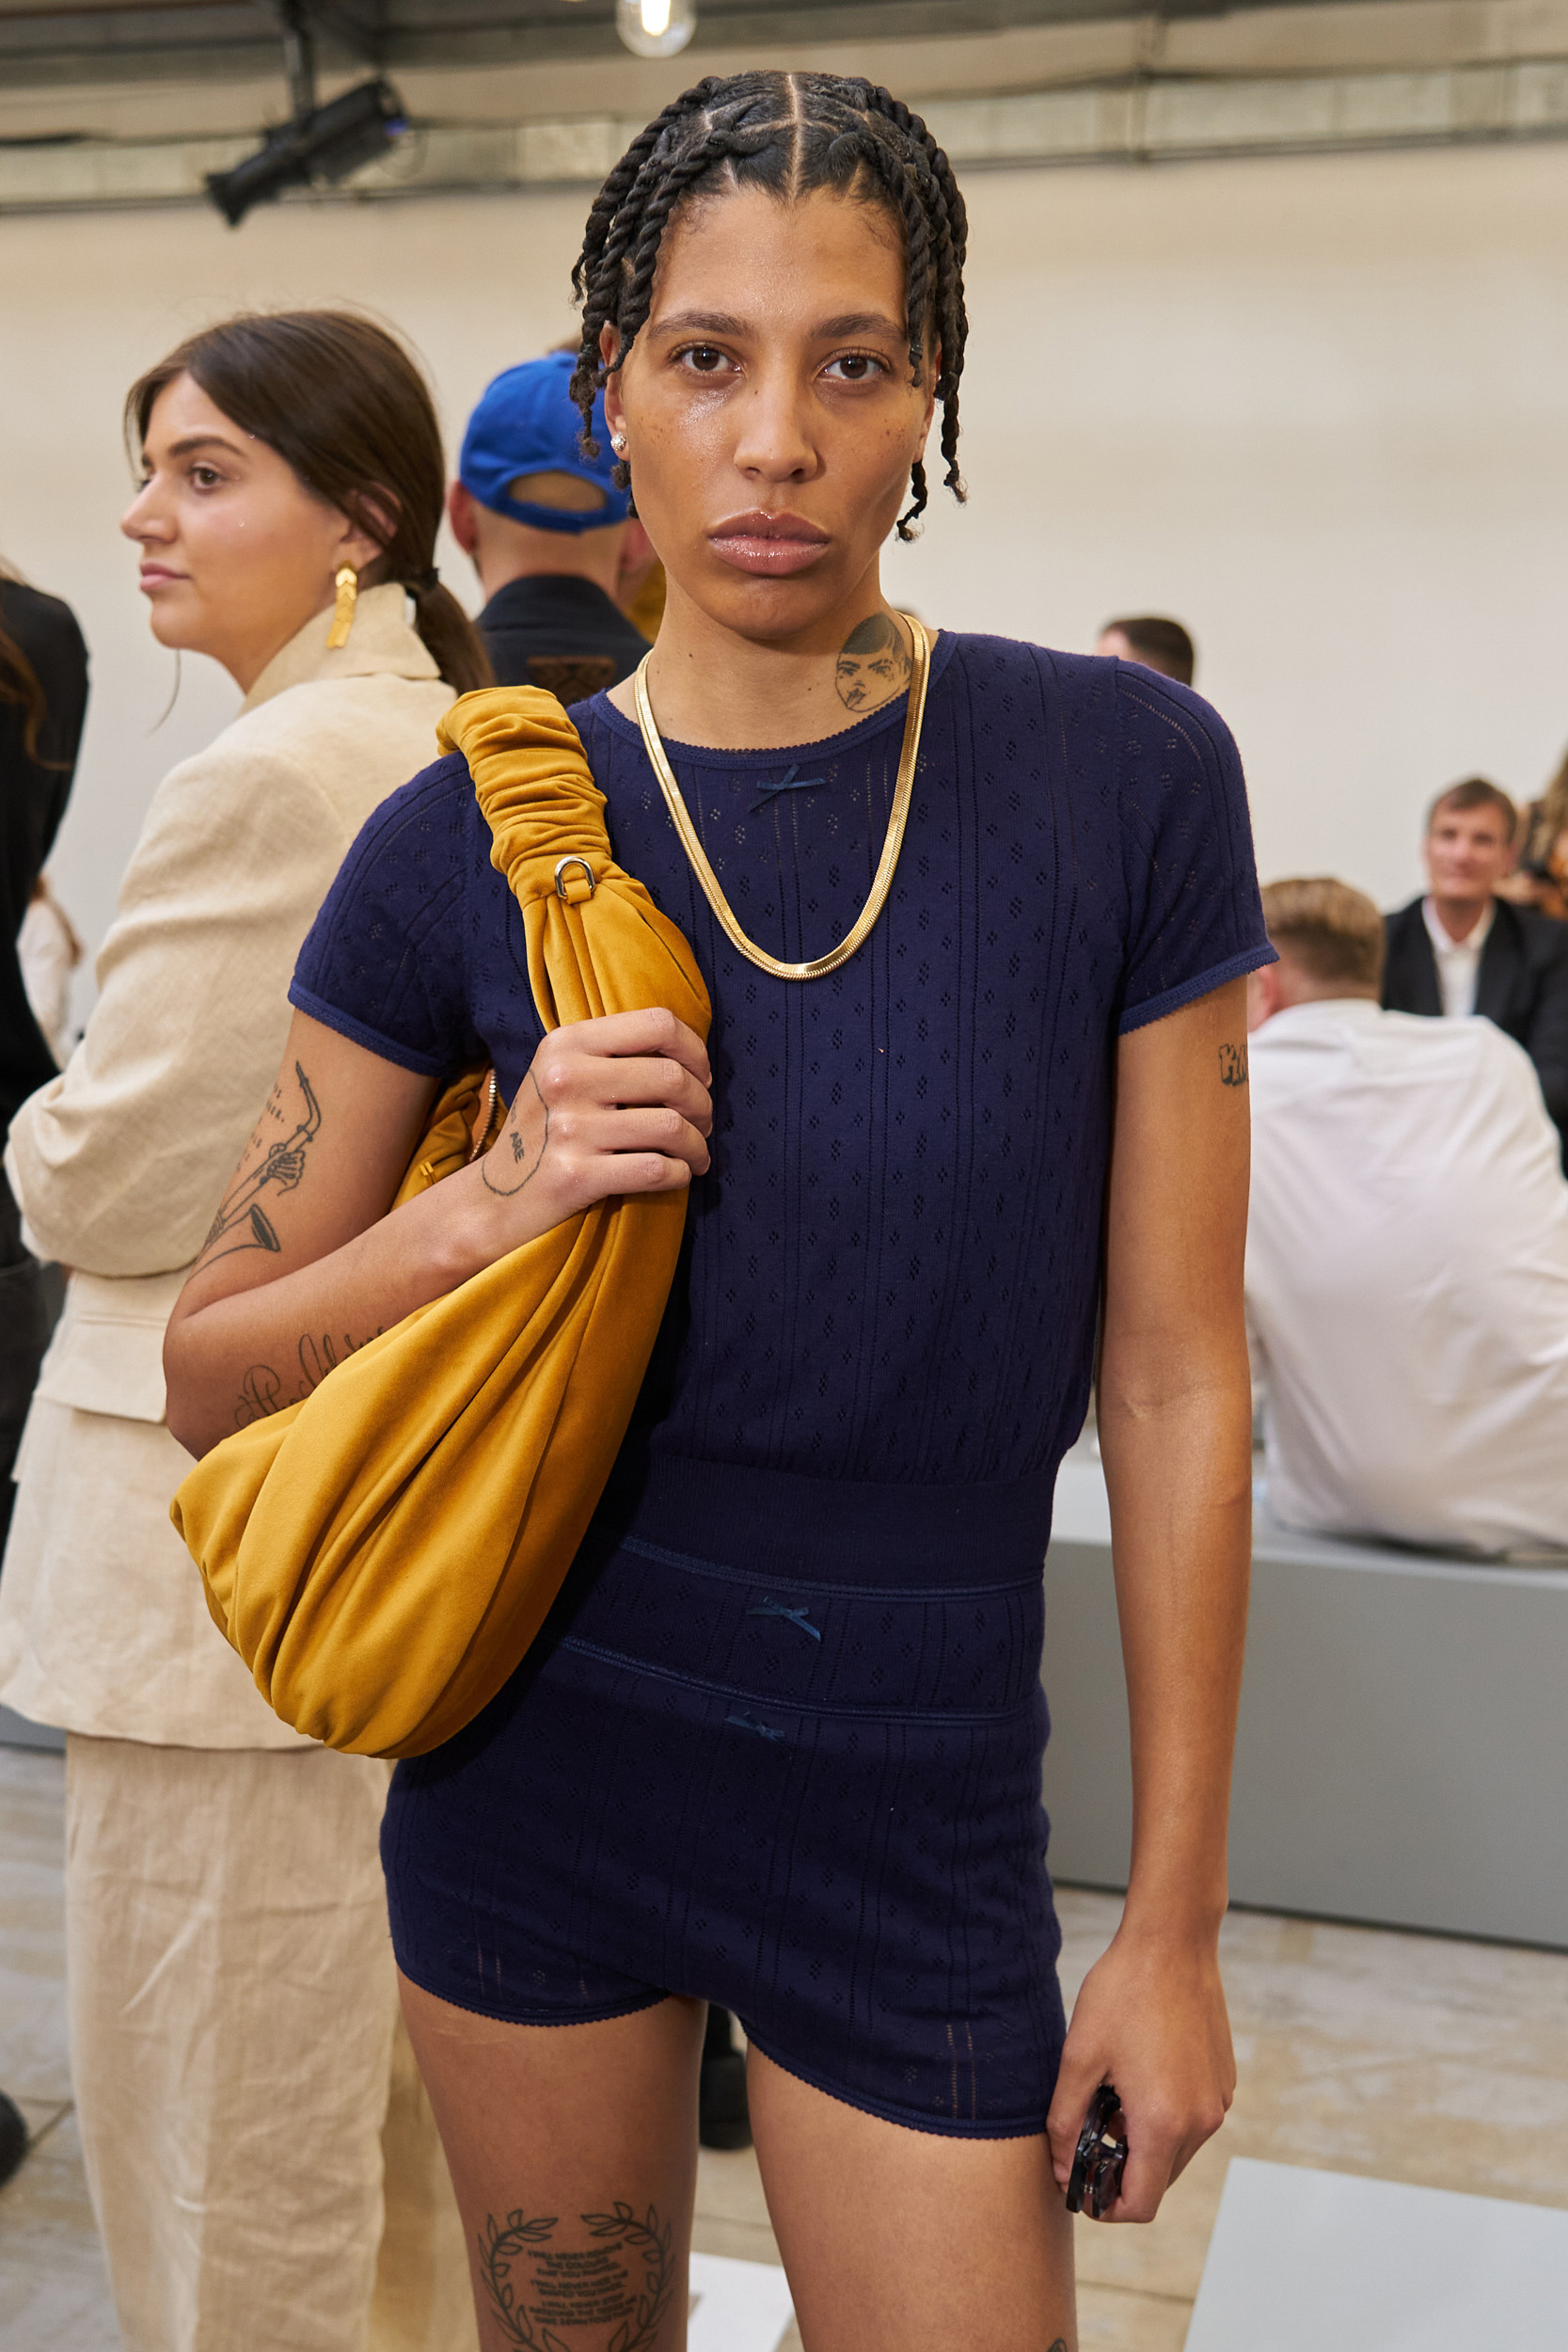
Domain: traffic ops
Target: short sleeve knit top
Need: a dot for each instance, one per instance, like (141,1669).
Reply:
(890,1276)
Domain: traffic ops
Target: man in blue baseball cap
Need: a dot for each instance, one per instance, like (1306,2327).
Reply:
(548,533)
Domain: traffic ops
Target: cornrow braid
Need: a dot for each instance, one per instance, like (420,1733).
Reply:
(789,133)
(951,221)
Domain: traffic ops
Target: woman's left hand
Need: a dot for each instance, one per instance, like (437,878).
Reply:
(1150,2018)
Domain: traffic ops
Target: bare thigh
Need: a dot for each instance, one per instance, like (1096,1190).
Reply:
(906,2241)
(572,2152)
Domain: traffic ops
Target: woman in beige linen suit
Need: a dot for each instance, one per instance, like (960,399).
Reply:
(260,2159)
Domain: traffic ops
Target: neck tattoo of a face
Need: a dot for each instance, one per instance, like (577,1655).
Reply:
(874,664)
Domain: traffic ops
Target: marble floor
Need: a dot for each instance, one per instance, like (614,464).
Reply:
(1405,2057)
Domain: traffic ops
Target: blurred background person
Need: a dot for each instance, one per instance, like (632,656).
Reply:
(1407,1252)
(44,692)
(1159,643)
(254,2136)
(550,536)
(1541,877)
(43,700)
(1461,949)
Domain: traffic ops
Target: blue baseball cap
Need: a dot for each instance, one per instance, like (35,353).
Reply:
(527,422)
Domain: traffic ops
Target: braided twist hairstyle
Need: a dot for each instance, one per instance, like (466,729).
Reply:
(789,133)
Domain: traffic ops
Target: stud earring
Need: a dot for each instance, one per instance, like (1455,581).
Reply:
(618,443)
(347,585)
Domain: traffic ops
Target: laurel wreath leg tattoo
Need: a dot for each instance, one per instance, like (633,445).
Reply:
(624,2281)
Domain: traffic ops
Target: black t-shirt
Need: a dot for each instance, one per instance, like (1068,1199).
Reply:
(559,632)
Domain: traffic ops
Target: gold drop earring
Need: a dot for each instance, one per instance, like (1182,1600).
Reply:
(347,585)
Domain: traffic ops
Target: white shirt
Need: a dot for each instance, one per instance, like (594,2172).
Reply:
(1407,1280)
(1458,959)
(47,951)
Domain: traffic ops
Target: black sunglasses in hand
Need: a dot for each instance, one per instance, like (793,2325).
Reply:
(1096,2168)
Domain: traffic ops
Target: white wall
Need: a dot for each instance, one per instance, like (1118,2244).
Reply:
(1313,406)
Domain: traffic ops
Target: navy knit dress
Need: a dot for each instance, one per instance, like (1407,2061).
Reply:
(779,1743)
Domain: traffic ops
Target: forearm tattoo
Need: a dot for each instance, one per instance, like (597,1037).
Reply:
(262,1390)
(1233,1069)
(874,664)
(276,1164)
(508,1151)
(540,2286)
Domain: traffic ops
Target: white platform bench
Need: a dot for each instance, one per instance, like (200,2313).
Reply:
(1402,1755)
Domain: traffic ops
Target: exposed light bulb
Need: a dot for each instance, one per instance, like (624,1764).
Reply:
(655,28)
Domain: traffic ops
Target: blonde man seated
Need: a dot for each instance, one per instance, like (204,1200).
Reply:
(1407,1252)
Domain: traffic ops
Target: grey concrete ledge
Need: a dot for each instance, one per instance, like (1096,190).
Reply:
(1401,1757)
(1152,117)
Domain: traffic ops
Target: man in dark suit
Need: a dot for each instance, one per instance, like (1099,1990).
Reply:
(1462,949)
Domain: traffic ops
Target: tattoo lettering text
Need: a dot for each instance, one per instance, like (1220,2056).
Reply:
(508,1154)
(262,1391)
(874,664)
(539,2283)
(1232,1065)
(272,1160)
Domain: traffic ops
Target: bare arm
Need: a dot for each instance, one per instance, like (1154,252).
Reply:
(304,1264)
(1176,1437)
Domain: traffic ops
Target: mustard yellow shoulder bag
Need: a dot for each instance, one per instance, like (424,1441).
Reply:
(381,1555)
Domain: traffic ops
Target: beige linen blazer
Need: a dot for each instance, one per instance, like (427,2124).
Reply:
(118,1165)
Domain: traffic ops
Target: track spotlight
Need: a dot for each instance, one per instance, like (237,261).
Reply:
(325,144)
(655,28)
(319,142)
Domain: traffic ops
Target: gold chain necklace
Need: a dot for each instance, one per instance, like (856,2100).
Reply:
(882,882)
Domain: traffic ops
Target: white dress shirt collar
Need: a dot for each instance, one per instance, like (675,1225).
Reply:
(1458,959)
(1291,1018)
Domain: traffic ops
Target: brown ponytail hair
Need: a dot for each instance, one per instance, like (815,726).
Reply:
(344,406)
(18,683)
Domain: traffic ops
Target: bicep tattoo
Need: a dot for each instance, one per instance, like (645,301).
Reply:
(273,1164)
(1233,1066)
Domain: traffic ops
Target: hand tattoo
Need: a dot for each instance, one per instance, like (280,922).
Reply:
(536,2289)
(874,664)
(1233,1071)
(281,1165)
(509,1142)
(261,1390)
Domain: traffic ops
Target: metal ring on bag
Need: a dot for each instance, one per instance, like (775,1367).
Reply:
(561,866)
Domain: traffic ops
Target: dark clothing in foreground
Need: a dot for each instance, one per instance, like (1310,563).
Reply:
(778,1746)
(559,632)
(34,788)
(1522,985)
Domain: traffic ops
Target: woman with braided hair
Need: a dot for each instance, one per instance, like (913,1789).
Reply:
(974,919)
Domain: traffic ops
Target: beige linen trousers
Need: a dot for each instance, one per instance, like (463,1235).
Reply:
(260,2155)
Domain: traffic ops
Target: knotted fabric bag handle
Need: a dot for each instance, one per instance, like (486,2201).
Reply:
(382,1554)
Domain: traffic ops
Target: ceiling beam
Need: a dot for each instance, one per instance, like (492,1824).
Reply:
(242,41)
(1143,119)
